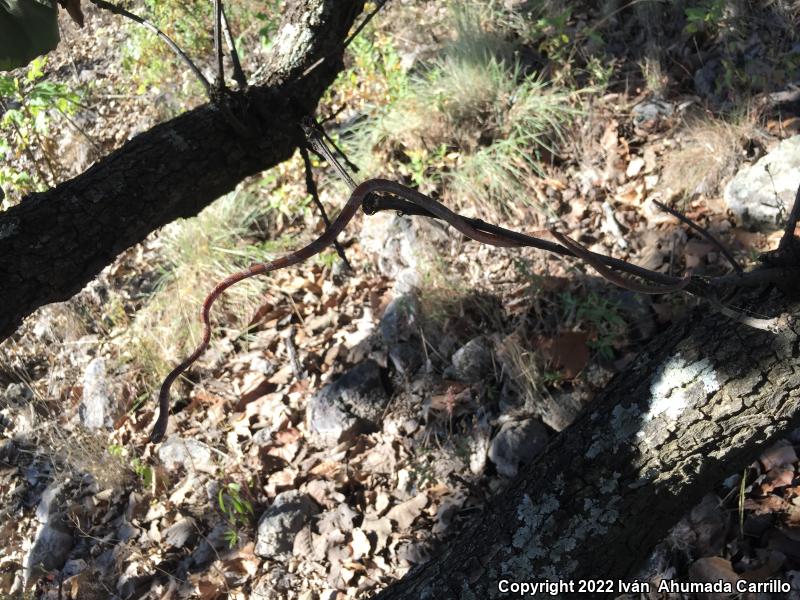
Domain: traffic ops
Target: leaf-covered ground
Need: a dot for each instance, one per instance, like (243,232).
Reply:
(345,423)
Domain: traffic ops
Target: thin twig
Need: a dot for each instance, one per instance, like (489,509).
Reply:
(318,145)
(317,136)
(118,10)
(220,83)
(238,72)
(311,188)
(704,232)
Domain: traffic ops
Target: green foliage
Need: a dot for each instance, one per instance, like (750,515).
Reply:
(237,510)
(143,472)
(470,120)
(705,16)
(599,316)
(29,103)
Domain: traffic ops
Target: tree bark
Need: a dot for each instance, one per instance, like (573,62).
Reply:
(691,410)
(53,243)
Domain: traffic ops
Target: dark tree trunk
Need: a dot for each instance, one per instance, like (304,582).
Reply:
(691,410)
(53,243)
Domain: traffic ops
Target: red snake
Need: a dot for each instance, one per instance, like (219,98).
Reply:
(432,208)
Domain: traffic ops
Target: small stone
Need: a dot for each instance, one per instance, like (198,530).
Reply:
(760,195)
(517,443)
(353,404)
(400,319)
(94,408)
(51,547)
(279,524)
(406,357)
(180,533)
(208,550)
(17,394)
(187,453)
(473,361)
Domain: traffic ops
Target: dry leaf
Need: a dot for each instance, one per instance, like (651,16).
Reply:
(360,544)
(567,351)
(778,455)
(405,514)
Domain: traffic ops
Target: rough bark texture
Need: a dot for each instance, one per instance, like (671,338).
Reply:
(53,243)
(691,410)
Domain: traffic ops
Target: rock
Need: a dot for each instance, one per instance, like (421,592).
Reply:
(400,320)
(94,410)
(17,394)
(406,357)
(278,525)
(750,195)
(189,454)
(208,550)
(73,567)
(51,547)
(473,361)
(48,502)
(647,114)
(397,242)
(180,533)
(516,444)
(353,404)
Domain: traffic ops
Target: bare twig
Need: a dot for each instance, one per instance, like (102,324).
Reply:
(118,10)
(238,72)
(317,142)
(220,83)
(311,188)
(317,136)
(704,232)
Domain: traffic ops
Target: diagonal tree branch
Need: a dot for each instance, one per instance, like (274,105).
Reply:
(53,243)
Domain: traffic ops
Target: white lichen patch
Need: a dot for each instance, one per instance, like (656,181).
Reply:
(668,395)
(287,39)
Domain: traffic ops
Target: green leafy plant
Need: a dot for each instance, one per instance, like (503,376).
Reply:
(600,316)
(236,508)
(28,104)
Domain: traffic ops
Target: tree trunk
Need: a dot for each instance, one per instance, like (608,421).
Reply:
(691,410)
(53,243)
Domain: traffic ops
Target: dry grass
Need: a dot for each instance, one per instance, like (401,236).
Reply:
(710,151)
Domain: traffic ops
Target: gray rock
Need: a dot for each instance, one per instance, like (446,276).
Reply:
(651,111)
(751,195)
(17,394)
(94,410)
(48,502)
(180,533)
(353,404)
(517,443)
(278,526)
(208,550)
(473,361)
(51,547)
(400,320)
(73,567)
(187,453)
(406,357)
